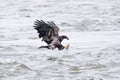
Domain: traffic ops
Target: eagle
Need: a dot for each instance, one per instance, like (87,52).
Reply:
(49,32)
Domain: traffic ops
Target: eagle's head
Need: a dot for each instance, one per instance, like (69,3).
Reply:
(63,37)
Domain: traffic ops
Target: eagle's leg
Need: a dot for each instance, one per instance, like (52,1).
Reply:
(44,47)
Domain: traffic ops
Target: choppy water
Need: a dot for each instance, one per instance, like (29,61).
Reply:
(88,15)
(93,59)
(91,56)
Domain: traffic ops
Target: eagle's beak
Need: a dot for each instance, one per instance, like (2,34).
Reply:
(67,38)
(67,47)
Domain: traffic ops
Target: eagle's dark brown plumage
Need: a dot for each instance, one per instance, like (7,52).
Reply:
(48,31)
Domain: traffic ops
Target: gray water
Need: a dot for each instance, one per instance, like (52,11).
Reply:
(92,26)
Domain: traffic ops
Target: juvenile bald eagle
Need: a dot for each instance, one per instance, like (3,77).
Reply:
(48,31)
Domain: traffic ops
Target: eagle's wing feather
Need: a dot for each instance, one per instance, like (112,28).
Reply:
(54,27)
(42,28)
(48,31)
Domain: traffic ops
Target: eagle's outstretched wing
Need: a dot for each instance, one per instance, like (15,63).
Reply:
(46,30)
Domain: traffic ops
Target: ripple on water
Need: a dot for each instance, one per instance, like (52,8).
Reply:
(13,69)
